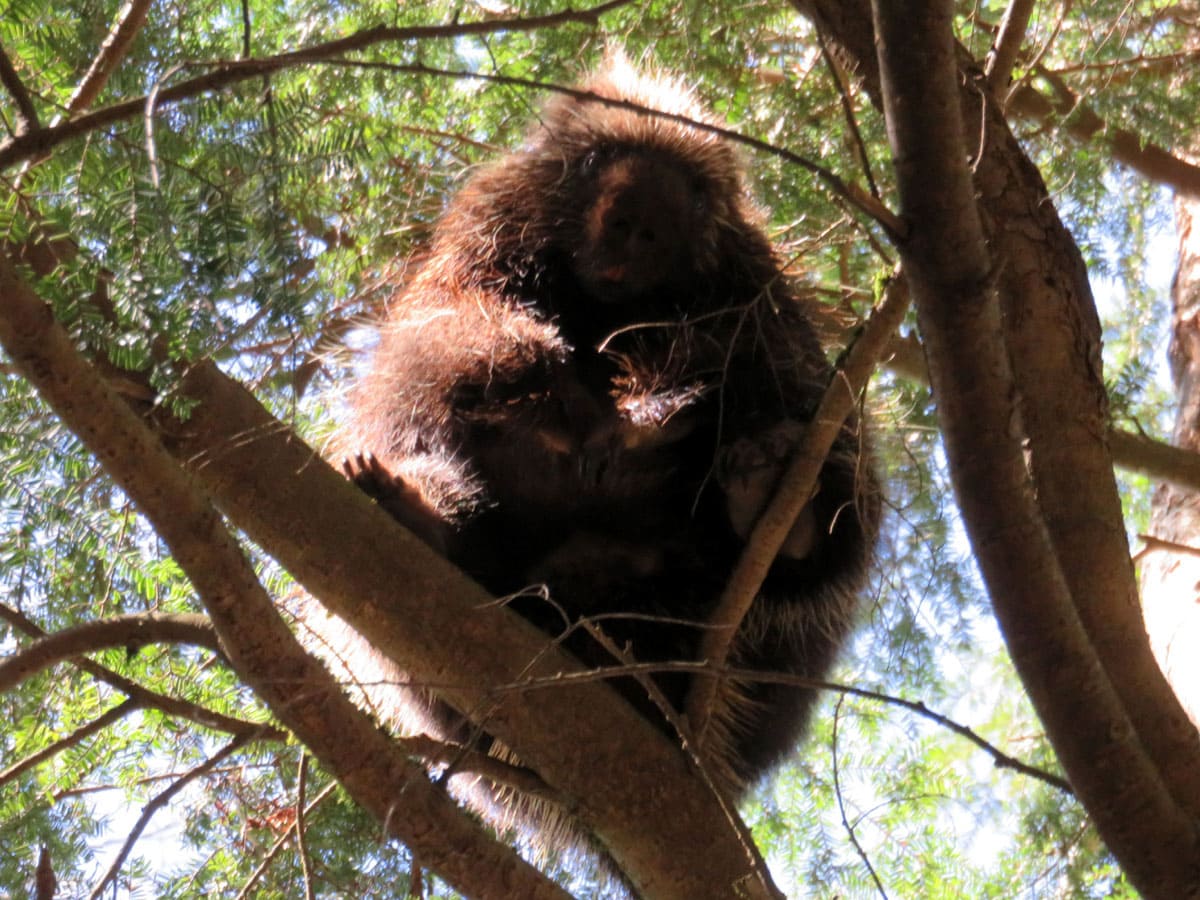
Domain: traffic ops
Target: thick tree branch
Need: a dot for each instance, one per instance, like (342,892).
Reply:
(1052,333)
(451,635)
(950,273)
(258,644)
(119,631)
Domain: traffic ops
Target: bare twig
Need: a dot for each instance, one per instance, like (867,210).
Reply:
(281,842)
(860,199)
(690,747)
(794,492)
(841,801)
(843,88)
(161,800)
(301,837)
(1000,759)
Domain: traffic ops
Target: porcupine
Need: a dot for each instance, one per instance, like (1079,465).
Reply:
(592,381)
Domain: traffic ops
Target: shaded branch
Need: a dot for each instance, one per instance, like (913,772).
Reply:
(301,834)
(955,290)
(119,631)
(1083,124)
(1052,338)
(1133,451)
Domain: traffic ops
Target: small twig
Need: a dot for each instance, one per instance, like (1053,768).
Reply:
(224,74)
(843,88)
(1000,759)
(161,800)
(794,492)
(841,801)
(280,843)
(301,838)
(675,720)
(851,192)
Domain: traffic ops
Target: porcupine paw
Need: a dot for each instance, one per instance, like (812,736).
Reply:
(749,471)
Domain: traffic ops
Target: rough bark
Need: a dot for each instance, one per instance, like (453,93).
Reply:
(1031,551)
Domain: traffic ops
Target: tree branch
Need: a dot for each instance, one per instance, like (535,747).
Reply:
(159,801)
(26,111)
(1000,759)
(129,22)
(794,492)
(247,889)
(450,635)
(230,72)
(119,631)
(75,737)
(172,706)
(954,287)
(259,646)
(1052,337)
(841,804)
(1003,55)
(1083,124)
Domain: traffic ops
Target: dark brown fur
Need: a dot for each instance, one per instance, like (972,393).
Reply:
(592,381)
